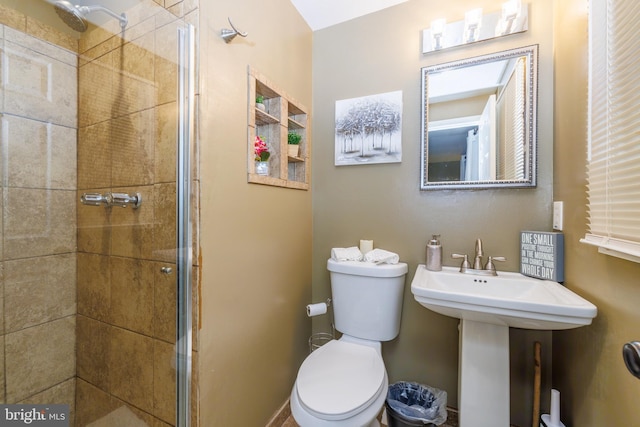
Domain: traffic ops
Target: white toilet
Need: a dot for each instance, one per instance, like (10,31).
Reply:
(344,383)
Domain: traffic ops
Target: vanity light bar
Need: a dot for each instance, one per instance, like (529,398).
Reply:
(512,19)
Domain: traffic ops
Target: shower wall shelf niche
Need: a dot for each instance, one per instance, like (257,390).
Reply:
(283,115)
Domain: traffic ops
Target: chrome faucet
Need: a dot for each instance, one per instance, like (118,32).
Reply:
(477,260)
(489,268)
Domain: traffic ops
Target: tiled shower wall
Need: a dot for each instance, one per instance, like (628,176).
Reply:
(37,204)
(127,128)
(119,340)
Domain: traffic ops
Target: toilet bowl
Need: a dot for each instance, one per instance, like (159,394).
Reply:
(344,383)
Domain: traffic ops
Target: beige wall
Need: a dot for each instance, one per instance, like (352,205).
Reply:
(255,239)
(588,368)
(381,53)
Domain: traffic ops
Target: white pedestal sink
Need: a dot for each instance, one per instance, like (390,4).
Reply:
(487,306)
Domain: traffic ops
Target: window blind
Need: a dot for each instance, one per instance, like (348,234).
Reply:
(614,128)
(512,111)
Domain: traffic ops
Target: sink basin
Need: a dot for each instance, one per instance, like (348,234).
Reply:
(487,307)
(509,299)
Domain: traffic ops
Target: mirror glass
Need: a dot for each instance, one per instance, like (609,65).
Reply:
(479,121)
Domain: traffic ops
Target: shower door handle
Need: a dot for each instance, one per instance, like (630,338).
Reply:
(123,200)
(94,199)
(112,199)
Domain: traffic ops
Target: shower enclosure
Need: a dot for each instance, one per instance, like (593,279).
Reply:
(96,252)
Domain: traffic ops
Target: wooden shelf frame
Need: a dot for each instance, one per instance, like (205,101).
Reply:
(283,114)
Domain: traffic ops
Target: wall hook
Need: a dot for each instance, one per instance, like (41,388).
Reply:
(229,35)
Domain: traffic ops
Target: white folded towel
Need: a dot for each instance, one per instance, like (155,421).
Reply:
(346,254)
(380,256)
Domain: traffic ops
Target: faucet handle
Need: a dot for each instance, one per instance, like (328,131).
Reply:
(465,261)
(489,266)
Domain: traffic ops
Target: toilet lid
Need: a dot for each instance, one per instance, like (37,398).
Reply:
(339,379)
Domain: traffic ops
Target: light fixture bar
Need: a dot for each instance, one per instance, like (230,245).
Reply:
(512,19)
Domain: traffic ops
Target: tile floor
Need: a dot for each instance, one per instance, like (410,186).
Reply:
(452,420)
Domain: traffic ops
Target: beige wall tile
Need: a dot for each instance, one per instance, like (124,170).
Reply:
(95,36)
(131,368)
(139,29)
(45,32)
(165,148)
(43,47)
(99,50)
(94,155)
(132,93)
(166,69)
(164,230)
(169,3)
(39,154)
(164,381)
(94,227)
(39,86)
(63,393)
(132,232)
(164,307)
(13,18)
(94,286)
(39,290)
(137,56)
(93,350)
(38,222)
(132,294)
(132,145)
(39,357)
(95,91)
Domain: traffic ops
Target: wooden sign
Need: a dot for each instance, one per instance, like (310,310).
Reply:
(542,255)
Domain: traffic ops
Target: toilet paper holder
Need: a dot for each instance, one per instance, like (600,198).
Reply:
(319,339)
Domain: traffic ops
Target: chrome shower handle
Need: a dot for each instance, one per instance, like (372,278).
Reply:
(123,200)
(94,199)
(112,199)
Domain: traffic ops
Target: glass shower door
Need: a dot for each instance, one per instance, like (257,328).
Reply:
(95,244)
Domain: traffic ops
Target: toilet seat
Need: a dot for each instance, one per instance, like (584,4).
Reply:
(340,379)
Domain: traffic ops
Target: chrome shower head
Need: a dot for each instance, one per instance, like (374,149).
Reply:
(75,16)
(71,15)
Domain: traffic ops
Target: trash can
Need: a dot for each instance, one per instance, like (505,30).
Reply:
(411,404)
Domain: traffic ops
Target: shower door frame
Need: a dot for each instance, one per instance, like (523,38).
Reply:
(184,248)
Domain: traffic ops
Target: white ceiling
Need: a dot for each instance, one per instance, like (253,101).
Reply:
(325,13)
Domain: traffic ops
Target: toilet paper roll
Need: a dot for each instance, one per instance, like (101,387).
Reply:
(366,246)
(316,309)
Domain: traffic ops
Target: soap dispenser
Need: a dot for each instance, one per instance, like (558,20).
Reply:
(434,254)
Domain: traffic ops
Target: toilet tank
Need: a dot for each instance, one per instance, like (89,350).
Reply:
(367,298)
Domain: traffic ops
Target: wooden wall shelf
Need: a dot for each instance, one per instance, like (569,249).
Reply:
(283,115)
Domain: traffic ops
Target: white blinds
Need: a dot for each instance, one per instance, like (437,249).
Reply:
(512,111)
(614,128)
